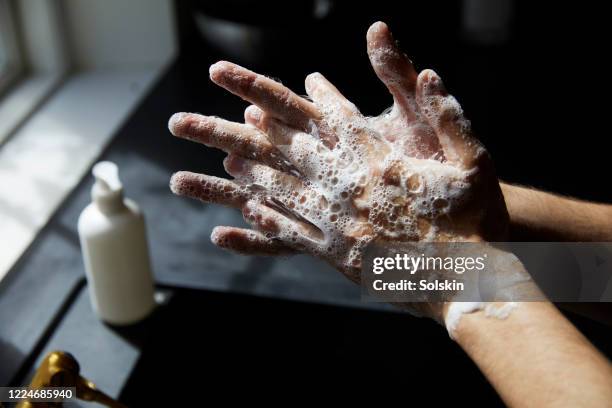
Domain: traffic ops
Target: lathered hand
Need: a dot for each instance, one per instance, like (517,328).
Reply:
(319,177)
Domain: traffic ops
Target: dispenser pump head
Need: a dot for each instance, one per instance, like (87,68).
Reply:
(107,191)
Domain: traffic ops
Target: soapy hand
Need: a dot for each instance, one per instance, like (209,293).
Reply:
(321,178)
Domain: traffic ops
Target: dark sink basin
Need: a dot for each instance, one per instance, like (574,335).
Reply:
(204,346)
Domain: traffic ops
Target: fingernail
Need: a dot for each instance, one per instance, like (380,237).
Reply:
(176,182)
(216,236)
(432,82)
(435,80)
(377,28)
(217,70)
(254,113)
(175,121)
(235,164)
(311,79)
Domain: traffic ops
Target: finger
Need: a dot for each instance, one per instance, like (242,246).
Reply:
(284,193)
(393,68)
(445,115)
(271,96)
(258,118)
(341,116)
(303,151)
(227,136)
(258,175)
(248,242)
(209,189)
(282,136)
(329,100)
(253,115)
(294,234)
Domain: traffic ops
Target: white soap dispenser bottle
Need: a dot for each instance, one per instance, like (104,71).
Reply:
(115,251)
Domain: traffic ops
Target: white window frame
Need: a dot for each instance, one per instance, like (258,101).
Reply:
(12,65)
(38,49)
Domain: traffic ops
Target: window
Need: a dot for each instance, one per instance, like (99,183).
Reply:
(71,87)
(32,59)
(10,62)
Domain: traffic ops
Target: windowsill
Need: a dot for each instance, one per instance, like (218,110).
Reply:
(53,149)
(23,100)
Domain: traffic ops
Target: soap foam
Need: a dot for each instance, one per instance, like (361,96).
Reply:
(365,187)
(457,309)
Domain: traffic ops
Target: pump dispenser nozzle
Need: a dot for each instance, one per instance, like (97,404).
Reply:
(107,174)
(107,191)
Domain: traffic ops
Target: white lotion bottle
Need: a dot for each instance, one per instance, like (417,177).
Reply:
(115,251)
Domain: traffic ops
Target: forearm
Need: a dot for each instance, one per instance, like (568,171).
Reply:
(535,357)
(540,216)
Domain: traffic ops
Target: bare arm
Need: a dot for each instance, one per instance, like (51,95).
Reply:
(538,216)
(537,358)
(542,216)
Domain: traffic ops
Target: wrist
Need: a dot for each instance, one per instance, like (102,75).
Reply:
(459,317)
(506,282)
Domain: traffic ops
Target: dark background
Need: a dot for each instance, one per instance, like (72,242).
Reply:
(536,98)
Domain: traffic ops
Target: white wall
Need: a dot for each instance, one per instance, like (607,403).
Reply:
(42,36)
(120,33)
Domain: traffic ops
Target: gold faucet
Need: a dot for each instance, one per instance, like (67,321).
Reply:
(60,369)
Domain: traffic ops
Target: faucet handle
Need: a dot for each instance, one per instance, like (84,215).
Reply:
(61,369)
